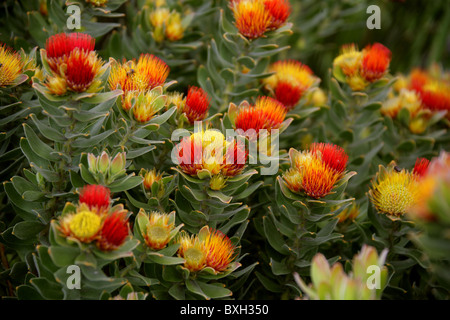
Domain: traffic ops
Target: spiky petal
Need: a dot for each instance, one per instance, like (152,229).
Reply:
(193,251)
(82,68)
(95,196)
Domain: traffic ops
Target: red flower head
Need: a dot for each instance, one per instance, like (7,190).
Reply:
(95,196)
(421,167)
(197,104)
(267,113)
(60,46)
(114,231)
(375,62)
(332,155)
(279,11)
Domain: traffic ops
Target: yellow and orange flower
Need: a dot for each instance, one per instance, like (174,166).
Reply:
(145,107)
(11,66)
(193,251)
(290,81)
(394,192)
(315,172)
(98,3)
(160,229)
(360,68)
(349,214)
(145,74)
(220,250)
(209,248)
(150,177)
(253,18)
(267,113)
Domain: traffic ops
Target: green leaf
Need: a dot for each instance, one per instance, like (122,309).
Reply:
(177,291)
(164,260)
(39,147)
(214,291)
(127,183)
(63,256)
(193,286)
(27,229)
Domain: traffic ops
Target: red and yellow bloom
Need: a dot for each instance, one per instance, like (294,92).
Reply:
(290,82)
(196,104)
(316,171)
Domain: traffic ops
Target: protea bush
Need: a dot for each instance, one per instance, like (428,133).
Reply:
(232,149)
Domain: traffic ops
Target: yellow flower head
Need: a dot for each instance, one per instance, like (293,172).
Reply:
(349,61)
(11,66)
(83,225)
(392,192)
(158,230)
(193,251)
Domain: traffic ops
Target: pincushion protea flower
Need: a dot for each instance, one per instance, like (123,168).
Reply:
(251,17)
(209,150)
(375,62)
(315,172)
(196,104)
(220,250)
(74,63)
(106,227)
(254,17)
(145,107)
(392,192)
(290,81)
(142,75)
(114,231)
(95,196)
(159,228)
(360,68)
(267,113)
(193,251)
(433,90)
(11,66)
(209,248)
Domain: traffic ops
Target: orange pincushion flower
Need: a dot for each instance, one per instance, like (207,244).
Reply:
(375,62)
(11,66)
(279,11)
(312,173)
(197,104)
(421,167)
(332,155)
(114,231)
(290,81)
(95,196)
(145,74)
(159,228)
(267,113)
(251,17)
(220,250)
